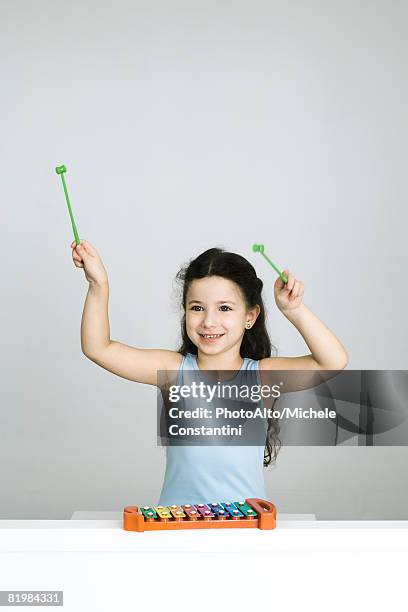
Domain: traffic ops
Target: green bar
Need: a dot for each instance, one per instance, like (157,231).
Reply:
(148,512)
(245,509)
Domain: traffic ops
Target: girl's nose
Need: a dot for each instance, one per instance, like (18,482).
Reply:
(210,320)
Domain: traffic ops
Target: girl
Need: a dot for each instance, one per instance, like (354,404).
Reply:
(222,328)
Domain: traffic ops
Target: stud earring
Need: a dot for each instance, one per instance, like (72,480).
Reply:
(248,326)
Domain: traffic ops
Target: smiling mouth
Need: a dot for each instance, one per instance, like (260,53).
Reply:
(211,336)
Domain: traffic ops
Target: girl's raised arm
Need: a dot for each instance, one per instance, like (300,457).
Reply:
(326,350)
(139,365)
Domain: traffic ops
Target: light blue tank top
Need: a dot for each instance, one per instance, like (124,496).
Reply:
(196,474)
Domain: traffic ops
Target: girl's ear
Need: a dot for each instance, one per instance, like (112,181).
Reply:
(254,312)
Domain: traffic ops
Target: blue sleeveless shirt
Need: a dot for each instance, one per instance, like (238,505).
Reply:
(196,474)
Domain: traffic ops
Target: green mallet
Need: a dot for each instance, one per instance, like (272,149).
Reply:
(61,170)
(259,248)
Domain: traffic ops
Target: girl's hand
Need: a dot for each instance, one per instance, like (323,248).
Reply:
(85,256)
(289,296)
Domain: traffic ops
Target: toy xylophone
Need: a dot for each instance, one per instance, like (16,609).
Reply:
(249,513)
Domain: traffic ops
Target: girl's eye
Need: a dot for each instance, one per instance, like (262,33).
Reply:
(223,306)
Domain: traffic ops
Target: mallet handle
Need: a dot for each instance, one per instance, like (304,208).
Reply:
(70,211)
(283,276)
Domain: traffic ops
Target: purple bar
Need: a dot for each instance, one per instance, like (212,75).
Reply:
(204,510)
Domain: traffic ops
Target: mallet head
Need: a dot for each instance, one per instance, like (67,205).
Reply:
(60,169)
(258,248)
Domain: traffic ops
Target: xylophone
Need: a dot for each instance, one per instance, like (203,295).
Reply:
(249,513)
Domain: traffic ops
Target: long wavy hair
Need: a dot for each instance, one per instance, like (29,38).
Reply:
(256,343)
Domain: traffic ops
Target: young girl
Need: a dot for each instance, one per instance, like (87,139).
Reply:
(222,328)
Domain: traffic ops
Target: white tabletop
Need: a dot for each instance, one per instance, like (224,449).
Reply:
(289,534)
(306,564)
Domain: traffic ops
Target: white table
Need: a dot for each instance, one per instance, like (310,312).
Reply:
(310,564)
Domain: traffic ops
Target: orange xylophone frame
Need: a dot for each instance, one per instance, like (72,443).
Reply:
(134,520)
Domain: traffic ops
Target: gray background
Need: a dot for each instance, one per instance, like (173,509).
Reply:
(183,126)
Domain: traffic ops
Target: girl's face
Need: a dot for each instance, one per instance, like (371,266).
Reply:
(215,307)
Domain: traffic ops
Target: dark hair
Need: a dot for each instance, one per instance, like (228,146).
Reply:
(256,343)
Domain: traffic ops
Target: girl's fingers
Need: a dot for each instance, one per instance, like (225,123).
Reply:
(298,290)
(294,288)
(279,283)
(84,243)
(88,247)
(291,282)
(76,255)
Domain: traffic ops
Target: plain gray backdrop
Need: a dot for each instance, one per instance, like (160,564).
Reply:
(187,125)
